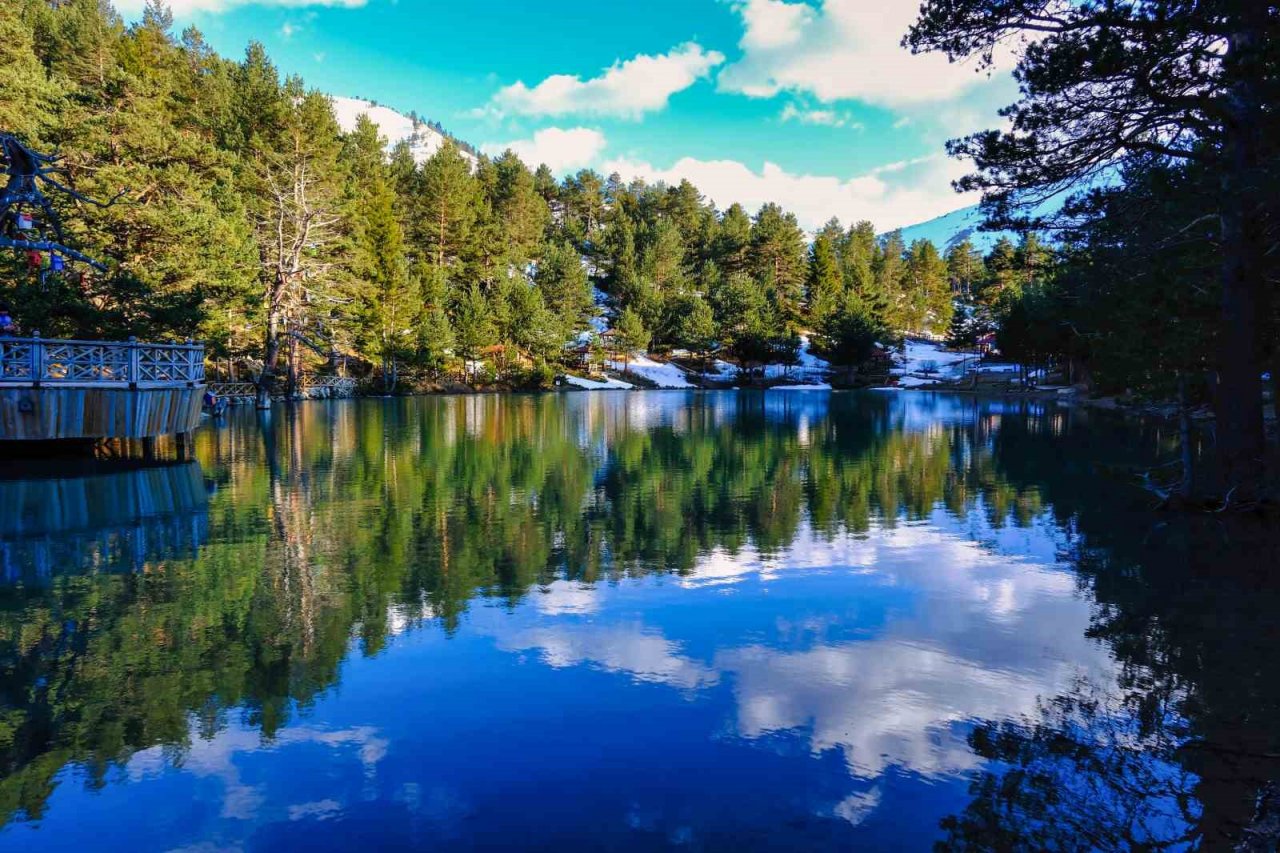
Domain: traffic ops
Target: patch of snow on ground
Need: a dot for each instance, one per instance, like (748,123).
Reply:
(918,356)
(809,361)
(597,385)
(815,386)
(723,368)
(809,367)
(663,375)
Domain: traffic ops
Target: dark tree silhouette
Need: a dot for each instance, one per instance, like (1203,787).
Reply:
(1102,80)
(26,171)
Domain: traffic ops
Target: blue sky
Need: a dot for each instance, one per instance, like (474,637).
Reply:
(810,104)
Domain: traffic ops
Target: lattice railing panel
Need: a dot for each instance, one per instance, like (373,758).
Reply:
(53,361)
(71,362)
(15,360)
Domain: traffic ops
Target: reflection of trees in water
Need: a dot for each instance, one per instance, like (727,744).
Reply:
(1188,608)
(1085,775)
(357,520)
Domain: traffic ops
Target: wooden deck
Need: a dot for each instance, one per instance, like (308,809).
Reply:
(74,390)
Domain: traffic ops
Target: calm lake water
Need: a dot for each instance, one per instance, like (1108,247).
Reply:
(626,621)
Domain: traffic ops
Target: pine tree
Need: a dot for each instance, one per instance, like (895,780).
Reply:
(732,248)
(29,99)
(777,256)
(965,267)
(435,342)
(857,262)
(535,329)
(663,258)
(889,268)
(445,204)
(848,336)
(566,291)
(622,266)
(473,325)
(631,334)
(695,328)
(520,212)
(1004,278)
(826,285)
(927,297)
(389,300)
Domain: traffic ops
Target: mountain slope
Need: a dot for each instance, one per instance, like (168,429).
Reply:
(953,227)
(424,141)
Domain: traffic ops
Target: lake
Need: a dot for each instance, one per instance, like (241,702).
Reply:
(634,621)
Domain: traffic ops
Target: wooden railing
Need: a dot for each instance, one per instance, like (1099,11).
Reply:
(311,385)
(234,390)
(335,384)
(38,362)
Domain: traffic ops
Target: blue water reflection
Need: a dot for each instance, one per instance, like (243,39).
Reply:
(616,621)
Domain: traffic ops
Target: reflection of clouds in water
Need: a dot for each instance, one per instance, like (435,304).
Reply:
(643,654)
(985,637)
(566,597)
(856,807)
(981,635)
(320,810)
(215,757)
(207,847)
(882,703)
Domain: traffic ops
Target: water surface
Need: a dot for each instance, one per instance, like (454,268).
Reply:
(633,621)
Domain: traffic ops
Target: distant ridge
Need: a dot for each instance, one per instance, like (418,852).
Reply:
(950,228)
(424,140)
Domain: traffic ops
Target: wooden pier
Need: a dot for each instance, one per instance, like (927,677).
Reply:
(62,390)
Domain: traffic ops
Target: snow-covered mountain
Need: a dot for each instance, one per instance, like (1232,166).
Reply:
(950,228)
(424,141)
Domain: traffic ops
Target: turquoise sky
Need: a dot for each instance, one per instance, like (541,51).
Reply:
(813,105)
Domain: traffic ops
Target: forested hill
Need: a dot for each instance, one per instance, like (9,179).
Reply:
(274,223)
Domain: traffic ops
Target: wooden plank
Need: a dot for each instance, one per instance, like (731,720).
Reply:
(58,412)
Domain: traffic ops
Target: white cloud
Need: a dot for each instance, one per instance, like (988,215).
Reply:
(562,149)
(628,89)
(288,29)
(773,24)
(891,196)
(182,8)
(824,118)
(839,49)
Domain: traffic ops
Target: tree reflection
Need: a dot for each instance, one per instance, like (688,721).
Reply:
(1179,752)
(331,526)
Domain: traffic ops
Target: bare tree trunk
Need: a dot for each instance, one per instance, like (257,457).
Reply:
(295,385)
(270,355)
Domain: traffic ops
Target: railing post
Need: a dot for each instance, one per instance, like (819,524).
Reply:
(37,359)
(133,362)
(191,363)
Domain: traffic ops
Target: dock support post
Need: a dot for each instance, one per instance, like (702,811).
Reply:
(149,448)
(183,440)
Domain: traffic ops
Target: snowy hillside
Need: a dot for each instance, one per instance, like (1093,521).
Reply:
(423,140)
(950,228)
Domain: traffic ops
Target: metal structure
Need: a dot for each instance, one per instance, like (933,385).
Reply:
(28,221)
